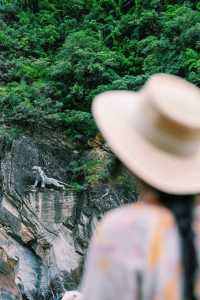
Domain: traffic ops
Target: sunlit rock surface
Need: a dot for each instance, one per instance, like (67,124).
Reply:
(8,286)
(52,207)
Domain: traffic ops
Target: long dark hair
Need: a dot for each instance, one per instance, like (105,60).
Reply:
(182,209)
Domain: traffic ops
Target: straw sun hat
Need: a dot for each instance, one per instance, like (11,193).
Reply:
(155,132)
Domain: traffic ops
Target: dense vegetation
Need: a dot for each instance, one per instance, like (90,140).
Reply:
(56,55)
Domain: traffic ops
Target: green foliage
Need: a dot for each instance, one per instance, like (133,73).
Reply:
(126,183)
(95,171)
(84,63)
(57,55)
(91,169)
(8,134)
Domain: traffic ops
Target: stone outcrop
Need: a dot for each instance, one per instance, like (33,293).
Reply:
(8,287)
(44,233)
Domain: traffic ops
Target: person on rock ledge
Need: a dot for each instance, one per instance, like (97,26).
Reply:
(150,249)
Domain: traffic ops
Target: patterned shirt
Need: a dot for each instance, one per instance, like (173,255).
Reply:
(135,254)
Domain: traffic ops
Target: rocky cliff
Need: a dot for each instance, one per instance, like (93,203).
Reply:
(45,230)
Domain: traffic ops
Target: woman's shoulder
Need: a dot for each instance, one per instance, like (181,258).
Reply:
(135,230)
(137,214)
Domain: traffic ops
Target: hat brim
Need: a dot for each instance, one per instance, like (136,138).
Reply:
(114,114)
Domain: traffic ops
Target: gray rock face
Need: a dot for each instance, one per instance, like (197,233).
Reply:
(47,230)
(8,288)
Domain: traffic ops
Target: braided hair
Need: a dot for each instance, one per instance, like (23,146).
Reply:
(182,209)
